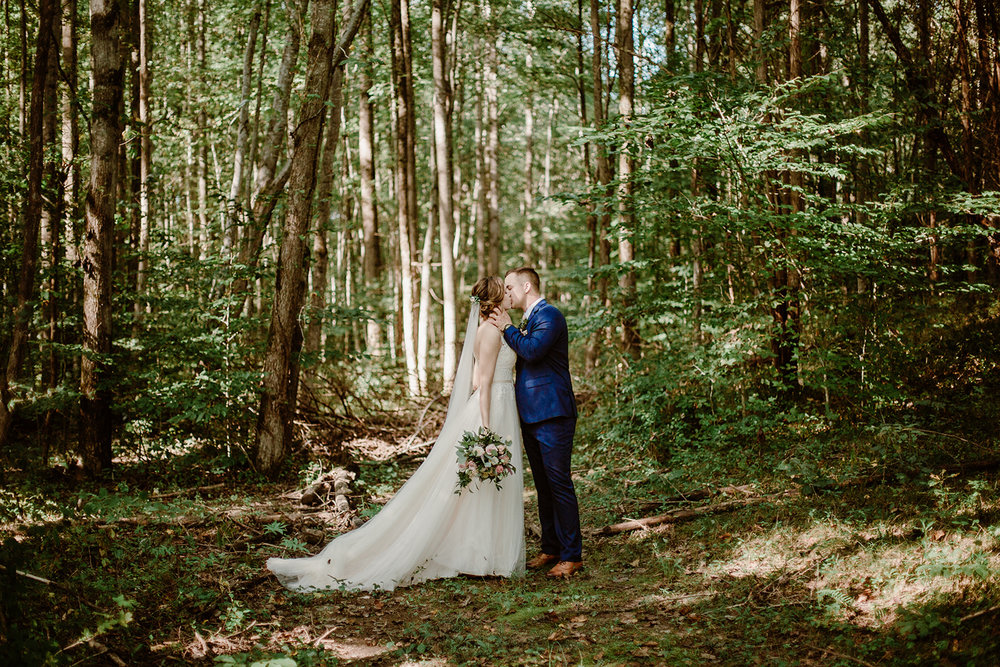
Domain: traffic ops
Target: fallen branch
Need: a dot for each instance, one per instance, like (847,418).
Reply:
(160,496)
(69,590)
(677,516)
(835,654)
(420,422)
(28,575)
(983,612)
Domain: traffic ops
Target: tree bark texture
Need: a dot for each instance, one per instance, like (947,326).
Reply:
(626,213)
(404,185)
(369,210)
(105,135)
(281,358)
(324,205)
(32,217)
(445,180)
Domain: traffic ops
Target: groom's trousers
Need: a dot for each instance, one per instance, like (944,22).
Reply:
(549,446)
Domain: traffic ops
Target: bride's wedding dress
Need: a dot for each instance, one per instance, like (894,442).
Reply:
(427,531)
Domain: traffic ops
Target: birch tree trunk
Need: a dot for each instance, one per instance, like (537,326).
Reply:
(445,180)
(145,153)
(603,163)
(528,196)
(493,155)
(105,135)
(626,213)
(481,185)
(369,208)
(70,134)
(52,208)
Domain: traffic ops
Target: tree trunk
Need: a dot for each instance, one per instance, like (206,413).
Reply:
(71,182)
(52,209)
(603,163)
(423,318)
(369,209)
(493,155)
(22,87)
(324,205)
(403,185)
(201,140)
(528,201)
(626,252)
(590,352)
(281,358)
(445,180)
(481,186)
(105,133)
(268,181)
(230,236)
(32,216)
(145,153)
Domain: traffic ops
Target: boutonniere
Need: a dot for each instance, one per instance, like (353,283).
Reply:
(523,324)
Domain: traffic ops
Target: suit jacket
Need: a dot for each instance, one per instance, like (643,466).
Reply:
(543,386)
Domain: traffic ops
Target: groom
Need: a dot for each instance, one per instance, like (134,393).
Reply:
(547,409)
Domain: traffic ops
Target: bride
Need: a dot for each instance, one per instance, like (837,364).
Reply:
(427,531)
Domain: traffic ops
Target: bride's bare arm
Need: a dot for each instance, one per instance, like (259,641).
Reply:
(487,350)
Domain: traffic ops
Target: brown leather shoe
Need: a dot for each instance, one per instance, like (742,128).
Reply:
(565,569)
(541,560)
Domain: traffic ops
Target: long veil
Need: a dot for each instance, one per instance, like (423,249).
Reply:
(426,530)
(462,387)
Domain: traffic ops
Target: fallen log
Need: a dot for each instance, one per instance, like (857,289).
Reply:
(677,516)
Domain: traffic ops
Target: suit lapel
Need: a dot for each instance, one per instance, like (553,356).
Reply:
(534,311)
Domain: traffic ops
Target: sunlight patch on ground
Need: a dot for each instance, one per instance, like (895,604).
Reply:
(376,449)
(866,575)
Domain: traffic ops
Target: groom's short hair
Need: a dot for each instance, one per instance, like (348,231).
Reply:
(527,273)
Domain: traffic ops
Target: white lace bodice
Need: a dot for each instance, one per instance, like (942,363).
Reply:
(504,373)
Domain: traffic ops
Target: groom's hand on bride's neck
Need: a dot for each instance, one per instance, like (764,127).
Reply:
(500,318)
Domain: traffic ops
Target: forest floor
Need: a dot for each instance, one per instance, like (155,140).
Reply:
(835,564)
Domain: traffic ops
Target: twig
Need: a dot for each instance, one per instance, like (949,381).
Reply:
(183,491)
(324,636)
(840,655)
(978,614)
(55,584)
(28,575)
(686,514)
(420,422)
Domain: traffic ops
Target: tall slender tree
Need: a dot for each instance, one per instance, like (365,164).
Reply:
(284,341)
(32,217)
(405,186)
(369,209)
(105,134)
(626,211)
(445,181)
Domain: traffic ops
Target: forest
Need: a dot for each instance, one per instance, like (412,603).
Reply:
(237,245)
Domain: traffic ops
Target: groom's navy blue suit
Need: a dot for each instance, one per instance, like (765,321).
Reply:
(547,409)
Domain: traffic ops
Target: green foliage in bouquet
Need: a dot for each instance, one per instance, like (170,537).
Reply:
(483,456)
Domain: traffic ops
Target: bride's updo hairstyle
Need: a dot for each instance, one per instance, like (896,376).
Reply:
(490,292)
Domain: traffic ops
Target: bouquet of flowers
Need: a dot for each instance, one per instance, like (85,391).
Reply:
(483,456)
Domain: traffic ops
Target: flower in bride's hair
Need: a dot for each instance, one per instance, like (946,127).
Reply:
(474,299)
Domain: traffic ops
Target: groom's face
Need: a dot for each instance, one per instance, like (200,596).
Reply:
(516,291)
